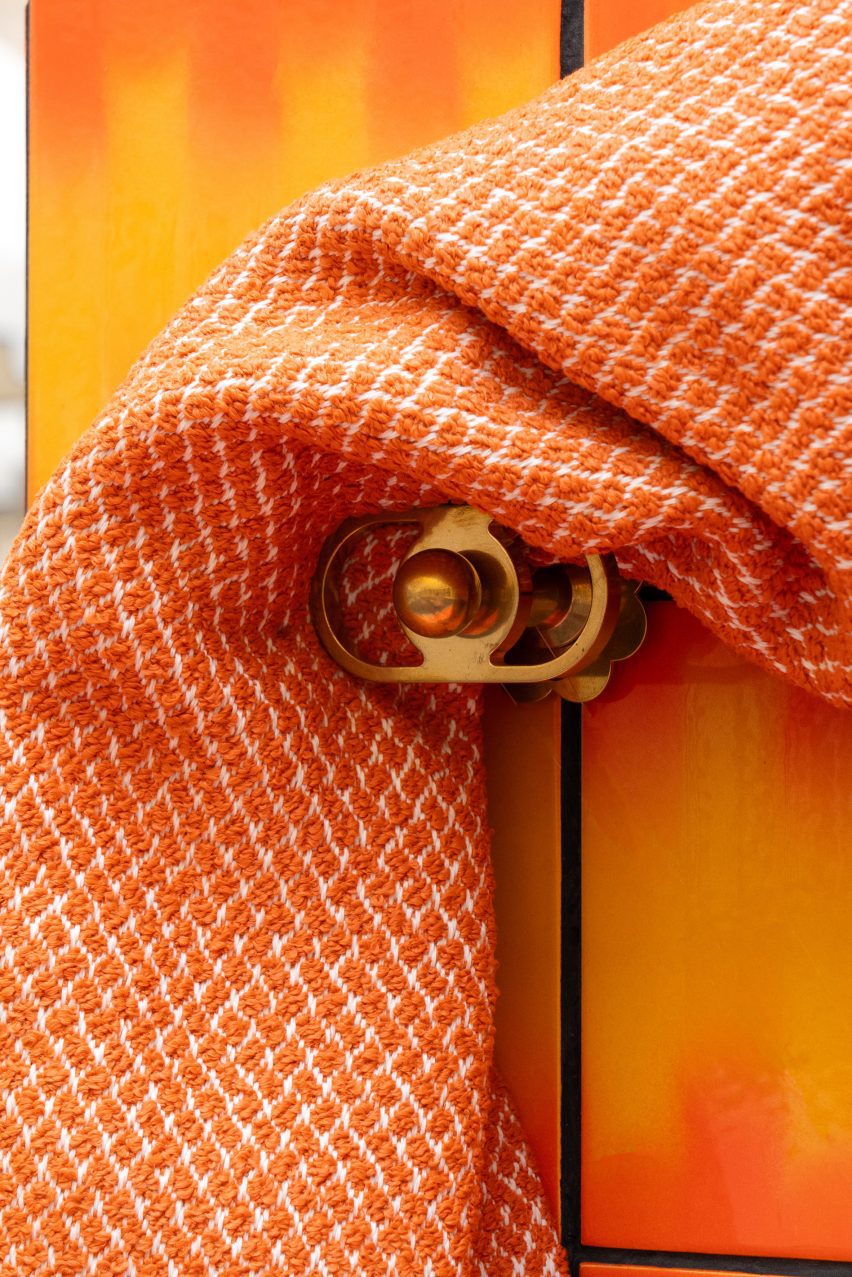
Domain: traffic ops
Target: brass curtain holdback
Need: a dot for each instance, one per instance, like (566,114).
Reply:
(477,610)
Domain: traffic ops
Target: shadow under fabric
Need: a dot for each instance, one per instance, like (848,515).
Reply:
(247,964)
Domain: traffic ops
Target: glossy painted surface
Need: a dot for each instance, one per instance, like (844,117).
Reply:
(163,131)
(522,756)
(608,22)
(161,134)
(717,964)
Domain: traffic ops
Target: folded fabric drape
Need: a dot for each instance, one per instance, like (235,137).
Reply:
(247,965)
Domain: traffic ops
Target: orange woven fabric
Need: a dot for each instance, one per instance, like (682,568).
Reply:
(247,963)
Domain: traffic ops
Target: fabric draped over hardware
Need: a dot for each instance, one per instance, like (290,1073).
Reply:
(247,967)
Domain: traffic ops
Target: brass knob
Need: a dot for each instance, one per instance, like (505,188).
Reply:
(437,593)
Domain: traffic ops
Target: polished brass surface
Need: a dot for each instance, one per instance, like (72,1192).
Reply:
(627,637)
(437,593)
(469,602)
(552,596)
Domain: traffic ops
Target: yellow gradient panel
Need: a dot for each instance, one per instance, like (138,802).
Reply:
(161,133)
(717,967)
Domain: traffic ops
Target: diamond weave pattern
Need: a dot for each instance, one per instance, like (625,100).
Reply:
(246,974)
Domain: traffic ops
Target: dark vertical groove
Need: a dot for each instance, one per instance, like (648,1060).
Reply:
(571,30)
(571,979)
(571,34)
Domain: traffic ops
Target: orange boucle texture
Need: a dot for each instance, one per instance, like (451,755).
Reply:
(247,960)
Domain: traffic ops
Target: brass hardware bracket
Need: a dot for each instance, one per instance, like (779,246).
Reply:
(469,601)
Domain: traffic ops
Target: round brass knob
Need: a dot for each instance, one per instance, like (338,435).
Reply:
(437,593)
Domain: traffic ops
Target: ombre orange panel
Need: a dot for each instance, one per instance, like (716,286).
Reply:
(160,135)
(717,964)
(717,972)
(609,22)
(163,131)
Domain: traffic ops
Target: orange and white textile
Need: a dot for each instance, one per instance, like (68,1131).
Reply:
(247,937)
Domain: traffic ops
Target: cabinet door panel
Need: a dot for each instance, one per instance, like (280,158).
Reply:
(717,968)
(161,132)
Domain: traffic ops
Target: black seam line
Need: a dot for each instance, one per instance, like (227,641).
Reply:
(776,1266)
(571,57)
(570,36)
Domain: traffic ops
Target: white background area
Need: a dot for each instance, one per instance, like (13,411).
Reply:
(12,267)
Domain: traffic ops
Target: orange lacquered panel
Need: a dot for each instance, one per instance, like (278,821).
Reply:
(160,135)
(163,131)
(609,22)
(523,764)
(608,1270)
(717,964)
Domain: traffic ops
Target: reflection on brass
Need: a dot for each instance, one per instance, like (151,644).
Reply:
(627,637)
(469,601)
(437,593)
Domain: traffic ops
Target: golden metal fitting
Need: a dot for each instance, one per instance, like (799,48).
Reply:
(477,612)
(437,593)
